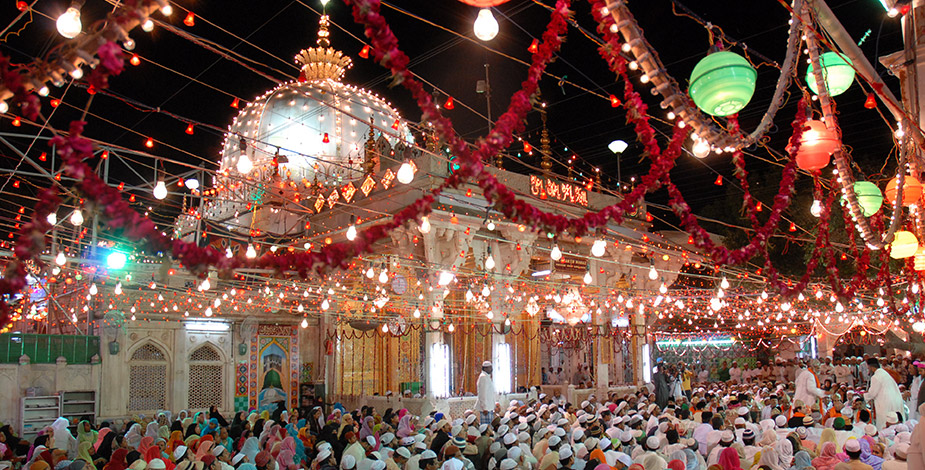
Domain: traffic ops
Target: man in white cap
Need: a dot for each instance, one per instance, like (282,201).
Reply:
(487,397)
(883,393)
(853,450)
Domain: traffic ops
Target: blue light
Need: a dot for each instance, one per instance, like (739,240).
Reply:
(116,260)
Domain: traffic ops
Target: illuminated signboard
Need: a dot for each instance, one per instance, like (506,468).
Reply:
(544,188)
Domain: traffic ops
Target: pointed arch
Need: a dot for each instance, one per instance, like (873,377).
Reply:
(148,367)
(206,377)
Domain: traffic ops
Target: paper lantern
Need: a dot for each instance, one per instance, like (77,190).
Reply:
(919,259)
(904,245)
(869,197)
(484,3)
(817,144)
(837,72)
(912,190)
(722,83)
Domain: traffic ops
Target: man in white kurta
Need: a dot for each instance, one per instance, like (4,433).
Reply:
(883,393)
(807,387)
(487,397)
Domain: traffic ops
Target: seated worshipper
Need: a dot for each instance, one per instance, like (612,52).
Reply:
(853,451)
(900,452)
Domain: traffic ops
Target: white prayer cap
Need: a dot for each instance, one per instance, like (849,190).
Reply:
(486,364)
(604,444)
(387,438)
(509,439)
(653,443)
(428,454)
(780,421)
(852,445)
(371,440)
(404,452)
(323,455)
(348,462)
(555,440)
(508,464)
(514,453)
(378,465)
(565,453)
(870,430)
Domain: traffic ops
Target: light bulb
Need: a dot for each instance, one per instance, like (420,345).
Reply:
(417,313)
(663,289)
(208,311)
(69,23)
(816,208)
(192,184)
(383,276)
(147,26)
(77,73)
(446,277)
(325,304)
(93,289)
(556,253)
(451,328)
(724,283)
(160,190)
(653,274)
(77,218)
(598,248)
(587,277)
(118,289)
(701,148)
(839,307)
(351,232)
(251,252)
(52,218)
(490,262)
(370,273)
(405,173)
(485,291)
(4,107)
(490,225)
(304,323)
(167,10)
(486,26)
(425,224)
(245,165)
(785,306)
(206,285)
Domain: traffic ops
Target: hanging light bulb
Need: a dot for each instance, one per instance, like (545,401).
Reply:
(251,252)
(147,26)
(93,289)
(653,274)
(370,273)
(445,278)
(489,262)
(77,218)
(208,311)
(52,218)
(205,285)
(451,328)
(417,313)
(701,148)
(118,289)
(663,289)
(304,323)
(588,277)
(405,173)
(486,26)
(383,276)
(485,291)
(816,208)
(425,224)
(60,259)
(839,307)
(160,190)
(490,225)
(245,165)
(352,232)
(598,248)
(724,283)
(68,23)
(556,253)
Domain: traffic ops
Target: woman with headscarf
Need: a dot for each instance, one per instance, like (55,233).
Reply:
(785,453)
(191,430)
(63,439)
(205,448)
(694,460)
(250,448)
(102,449)
(151,430)
(768,439)
(729,459)
(674,465)
(83,453)
(366,429)
(118,460)
(867,457)
(770,459)
(827,459)
(176,440)
(146,442)
(210,427)
(802,461)
(133,436)
(405,428)
(654,461)
(85,432)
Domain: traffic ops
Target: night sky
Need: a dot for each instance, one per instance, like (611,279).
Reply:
(189,83)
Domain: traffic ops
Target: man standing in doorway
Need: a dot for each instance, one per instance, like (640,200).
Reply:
(485,403)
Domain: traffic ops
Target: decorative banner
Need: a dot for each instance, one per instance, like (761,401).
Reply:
(274,367)
(543,187)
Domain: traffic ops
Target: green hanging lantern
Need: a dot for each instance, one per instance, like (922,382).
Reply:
(722,83)
(869,197)
(837,72)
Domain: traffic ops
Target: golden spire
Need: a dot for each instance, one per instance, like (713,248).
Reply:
(323,62)
(545,149)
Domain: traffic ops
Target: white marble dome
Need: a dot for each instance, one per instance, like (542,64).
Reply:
(296,118)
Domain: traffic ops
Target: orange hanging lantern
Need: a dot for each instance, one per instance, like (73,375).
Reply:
(614,101)
(871,102)
(234,104)
(190,19)
(534,46)
(449,103)
(817,144)
(484,3)
(912,190)
(364,52)
(326,139)
(719,180)
(135,60)
(189,129)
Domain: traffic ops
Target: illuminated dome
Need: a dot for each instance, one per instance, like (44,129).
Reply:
(295,140)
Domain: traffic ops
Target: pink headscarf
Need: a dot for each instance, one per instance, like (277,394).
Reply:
(99,438)
(827,460)
(729,459)
(405,428)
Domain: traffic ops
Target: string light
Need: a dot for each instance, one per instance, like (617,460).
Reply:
(598,248)
(351,232)
(405,173)
(425,224)
(160,190)
(68,23)
(251,252)
(555,254)
(77,218)
(245,165)
(485,26)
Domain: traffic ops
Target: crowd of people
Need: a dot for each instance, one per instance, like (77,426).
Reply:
(761,422)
